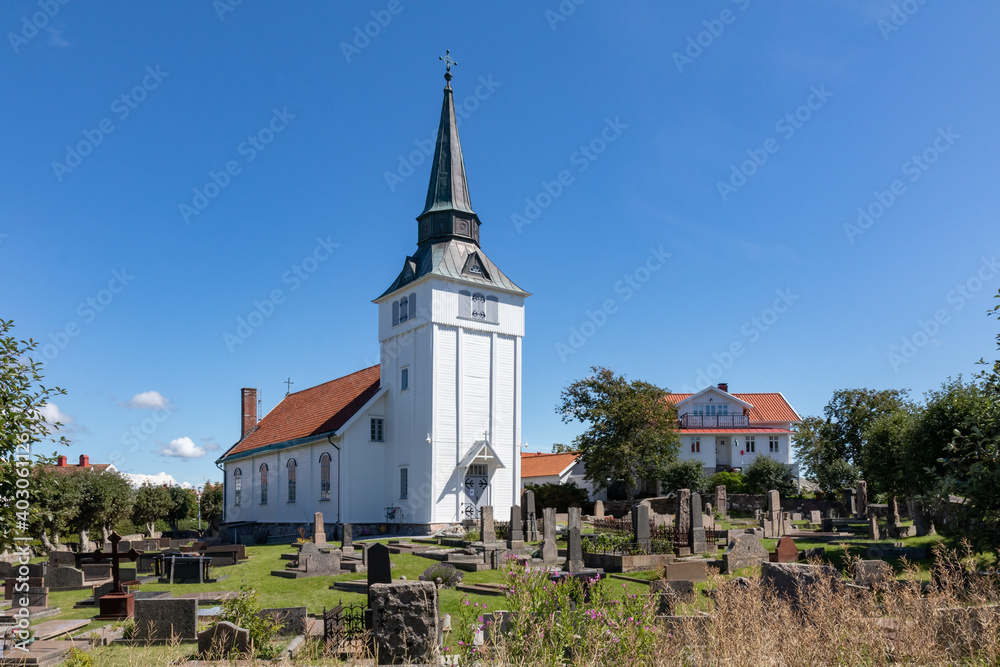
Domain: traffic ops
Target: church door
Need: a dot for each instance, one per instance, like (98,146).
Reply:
(477,482)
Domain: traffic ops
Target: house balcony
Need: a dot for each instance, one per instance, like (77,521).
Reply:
(713,421)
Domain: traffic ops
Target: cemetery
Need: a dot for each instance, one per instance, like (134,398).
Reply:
(682,577)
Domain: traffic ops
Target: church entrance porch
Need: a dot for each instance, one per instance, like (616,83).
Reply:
(475,490)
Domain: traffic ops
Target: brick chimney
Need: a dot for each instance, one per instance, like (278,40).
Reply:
(61,461)
(84,460)
(248,412)
(724,386)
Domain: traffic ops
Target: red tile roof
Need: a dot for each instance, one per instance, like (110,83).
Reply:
(320,409)
(735,431)
(770,407)
(536,464)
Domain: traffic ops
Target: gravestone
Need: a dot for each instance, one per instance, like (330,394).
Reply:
(683,589)
(773,521)
(692,570)
(379,565)
(849,502)
(893,519)
(515,538)
(487,530)
(640,526)
(683,522)
(365,546)
(530,516)
(815,517)
(721,501)
(163,618)
(744,550)
(872,573)
(697,535)
(223,640)
(873,531)
(326,563)
(96,571)
(33,597)
(405,622)
(62,559)
(826,525)
(798,582)
(862,499)
(64,578)
(574,558)
(319,529)
(11,582)
(666,598)
(347,537)
(550,551)
(291,620)
(599,509)
(785,552)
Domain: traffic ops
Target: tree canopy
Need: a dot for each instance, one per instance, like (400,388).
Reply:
(764,474)
(631,431)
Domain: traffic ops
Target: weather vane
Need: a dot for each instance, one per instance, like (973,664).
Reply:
(448,61)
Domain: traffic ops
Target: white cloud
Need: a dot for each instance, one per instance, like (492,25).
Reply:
(51,413)
(183,448)
(147,400)
(159,479)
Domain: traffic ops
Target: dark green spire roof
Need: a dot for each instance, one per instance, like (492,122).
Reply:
(448,210)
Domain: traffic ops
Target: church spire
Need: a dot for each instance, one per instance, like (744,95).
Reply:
(448,210)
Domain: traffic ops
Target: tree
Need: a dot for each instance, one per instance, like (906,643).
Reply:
(631,430)
(152,502)
(106,498)
(183,505)
(56,504)
(558,496)
(211,503)
(559,448)
(688,474)
(764,474)
(22,426)
(733,481)
(837,475)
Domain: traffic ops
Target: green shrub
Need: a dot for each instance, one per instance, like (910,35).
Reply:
(764,474)
(688,474)
(77,658)
(446,572)
(733,481)
(242,611)
(559,496)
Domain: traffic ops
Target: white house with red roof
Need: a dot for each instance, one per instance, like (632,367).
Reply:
(725,431)
(557,468)
(430,434)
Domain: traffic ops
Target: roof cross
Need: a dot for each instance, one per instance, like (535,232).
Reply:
(289,383)
(448,61)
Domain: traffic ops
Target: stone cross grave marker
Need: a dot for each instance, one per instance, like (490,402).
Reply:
(119,603)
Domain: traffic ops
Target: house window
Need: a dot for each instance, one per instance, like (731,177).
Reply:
(291,480)
(324,477)
(377,428)
(403,482)
(263,483)
(773,444)
(751,446)
(695,445)
(404,379)
(237,486)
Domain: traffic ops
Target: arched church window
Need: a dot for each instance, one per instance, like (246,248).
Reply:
(263,483)
(324,477)
(291,480)
(237,486)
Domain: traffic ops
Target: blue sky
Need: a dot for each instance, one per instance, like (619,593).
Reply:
(739,138)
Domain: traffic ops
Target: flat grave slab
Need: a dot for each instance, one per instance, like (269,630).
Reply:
(209,597)
(42,653)
(51,629)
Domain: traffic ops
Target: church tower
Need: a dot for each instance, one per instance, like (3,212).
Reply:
(450,330)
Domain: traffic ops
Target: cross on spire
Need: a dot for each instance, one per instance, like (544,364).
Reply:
(289,389)
(448,61)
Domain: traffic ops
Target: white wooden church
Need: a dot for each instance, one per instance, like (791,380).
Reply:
(432,432)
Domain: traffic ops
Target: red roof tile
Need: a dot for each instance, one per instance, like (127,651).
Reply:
(735,431)
(770,407)
(320,409)
(536,464)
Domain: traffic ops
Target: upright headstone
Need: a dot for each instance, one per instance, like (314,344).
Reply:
(515,538)
(744,550)
(575,518)
(574,559)
(894,519)
(319,529)
(697,535)
(550,551)
(815,517)
(166,618)
(684,511)
(721,502)
(849,503)
(405,622)
(530,517)
(640,526)
(773,523)
(598,509)
(62,559)
(347,537)
(487,531)
(873,532)
(224,640)
(862,499)
(365,547)
(379,565)
(786,551)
